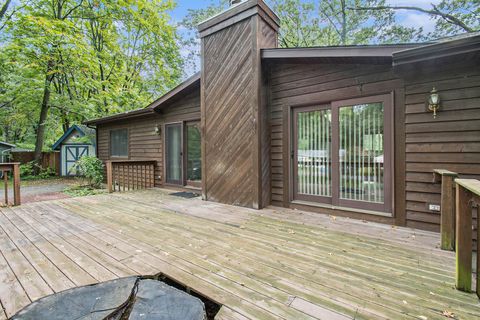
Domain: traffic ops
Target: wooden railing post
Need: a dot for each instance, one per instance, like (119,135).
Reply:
(108,167)
(447,208)
(16,184)
(478,248)
(5,183)
(463,239)
(468,198)
(14,168)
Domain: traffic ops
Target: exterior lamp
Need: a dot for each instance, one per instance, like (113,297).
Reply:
(434,102)
(158,130)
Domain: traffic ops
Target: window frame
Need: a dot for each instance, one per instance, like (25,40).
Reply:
(180,182)
(388,146)
(190,183)
(183,182)
(110,144)
(296,195)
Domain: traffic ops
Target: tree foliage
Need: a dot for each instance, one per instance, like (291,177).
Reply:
(64,61)
(191,40)
(306,23)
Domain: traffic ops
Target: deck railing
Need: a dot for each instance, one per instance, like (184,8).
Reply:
(14,169)
(126,175)
(467,201)
(447,207)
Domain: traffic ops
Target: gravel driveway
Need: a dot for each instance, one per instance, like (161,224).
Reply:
(42,190)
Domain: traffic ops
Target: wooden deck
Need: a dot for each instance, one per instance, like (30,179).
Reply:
(268,264)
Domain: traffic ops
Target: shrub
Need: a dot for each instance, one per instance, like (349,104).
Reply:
(28,170)
(92,169)
(47,173)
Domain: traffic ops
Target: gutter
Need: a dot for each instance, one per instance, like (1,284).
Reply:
(96,138)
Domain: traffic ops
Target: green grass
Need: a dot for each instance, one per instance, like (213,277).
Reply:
(82,191)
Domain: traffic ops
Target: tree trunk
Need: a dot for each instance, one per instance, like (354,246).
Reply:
(4,9)
(40,138)
(344,24)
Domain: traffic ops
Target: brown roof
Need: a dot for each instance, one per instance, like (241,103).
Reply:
(468,43)
(186,86)
(370,53)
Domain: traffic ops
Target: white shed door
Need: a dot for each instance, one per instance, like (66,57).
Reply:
(73,154)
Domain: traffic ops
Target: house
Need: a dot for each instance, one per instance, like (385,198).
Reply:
(76,142)
(5,149)
(345,130)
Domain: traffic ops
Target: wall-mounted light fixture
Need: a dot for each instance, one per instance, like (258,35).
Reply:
(158,129)
(434,102)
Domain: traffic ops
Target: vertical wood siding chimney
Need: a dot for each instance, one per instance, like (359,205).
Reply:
(235,141)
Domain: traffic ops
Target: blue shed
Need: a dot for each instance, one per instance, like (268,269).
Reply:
(76,142)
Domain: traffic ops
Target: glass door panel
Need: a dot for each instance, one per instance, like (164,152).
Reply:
(174,155)
(361,152)
(194,155)
(342,154)
(313,154)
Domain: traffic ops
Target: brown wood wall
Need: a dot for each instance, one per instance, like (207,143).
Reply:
(318,83)
(233,115)
(268,39)
(144,143)
(451,141)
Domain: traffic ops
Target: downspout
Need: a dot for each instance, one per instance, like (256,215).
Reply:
(96,139)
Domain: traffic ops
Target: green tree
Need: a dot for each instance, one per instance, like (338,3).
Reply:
(353,27)
(191,38)
(67,60)
(451,16)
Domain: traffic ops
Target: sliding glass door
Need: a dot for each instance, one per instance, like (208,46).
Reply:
(183,161)
(194,154)
(342,153)
(173,153)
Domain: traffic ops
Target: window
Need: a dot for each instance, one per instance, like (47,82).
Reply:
(342,153)
(119,143)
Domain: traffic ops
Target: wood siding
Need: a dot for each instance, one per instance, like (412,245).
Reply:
(144,143)
(304,84)
(233,115)
(268,39)
(451,141)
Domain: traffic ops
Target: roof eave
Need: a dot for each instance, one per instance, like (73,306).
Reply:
(438,50)
(352,52)
(163,100)
(66,134)
(7,144)
(119,116)
(151,108)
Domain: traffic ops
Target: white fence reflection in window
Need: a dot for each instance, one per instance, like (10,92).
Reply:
(361,144)
(314,152)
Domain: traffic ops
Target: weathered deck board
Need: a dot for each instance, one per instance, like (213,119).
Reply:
(269,264)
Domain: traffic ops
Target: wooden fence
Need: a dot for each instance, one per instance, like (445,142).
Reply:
(14,169)
(49,159)
(130,175)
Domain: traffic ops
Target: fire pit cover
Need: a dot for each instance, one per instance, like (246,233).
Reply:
(131,298)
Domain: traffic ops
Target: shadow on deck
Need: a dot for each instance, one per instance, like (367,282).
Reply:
(270,264)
